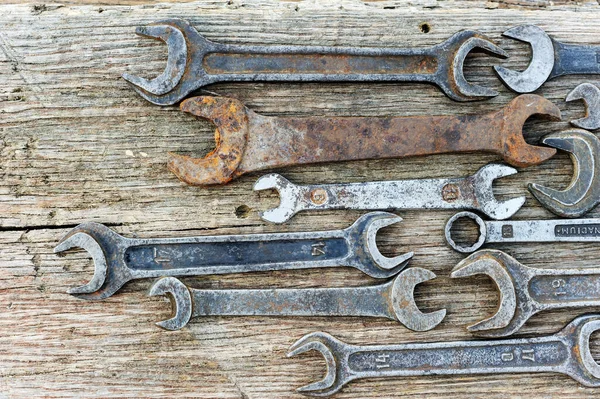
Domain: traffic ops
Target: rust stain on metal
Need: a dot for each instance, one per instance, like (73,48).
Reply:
(318,196)
(450,192)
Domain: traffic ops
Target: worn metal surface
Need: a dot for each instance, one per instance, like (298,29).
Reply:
(565,352)
(583,192)
(590,94)
(118,259)
(519,231)
(393,300)
(472,192)
(549,59)
(194,62)
(247,141)
(525,291)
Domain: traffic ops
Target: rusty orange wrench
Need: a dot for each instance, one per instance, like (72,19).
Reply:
(248,142)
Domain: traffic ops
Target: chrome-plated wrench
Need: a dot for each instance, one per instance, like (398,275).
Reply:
(566,352)
(472,192)
(118,259)
(558,230)
(392,300)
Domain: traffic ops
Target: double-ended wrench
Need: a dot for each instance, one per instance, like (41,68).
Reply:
(472,192)
(525,291)
(509,231)
(194,62)
(248,142)
(566,352)
(393,300)
(118,259)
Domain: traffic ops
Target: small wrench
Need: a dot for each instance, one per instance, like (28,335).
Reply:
(472,192)
(550,59)
(393,300)
(583,193)
(559,230)
(590,94)
(566,352)
(118,260)
(247,142)
(194,62)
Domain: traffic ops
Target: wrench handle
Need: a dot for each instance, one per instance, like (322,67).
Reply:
(560,288)
(469,357)
(235,254)
(575,60)
(579,230)
(358,301)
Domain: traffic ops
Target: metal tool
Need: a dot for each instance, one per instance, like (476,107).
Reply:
(118,260)
(590,94)
(583,193)
(566,352)
(247,142)
(525,291)
(194,62)
(560,230)
(472,192)
(549,59)
(393,300)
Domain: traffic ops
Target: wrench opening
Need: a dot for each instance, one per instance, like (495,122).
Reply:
(480,239)
(181,302)
(590,94)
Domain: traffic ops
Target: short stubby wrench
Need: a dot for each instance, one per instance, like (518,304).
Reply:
(472,192)
(393,300)
(558,230)
(583,193)
(567,352)
(525,291)
(248,142)
(194,62)
(549,59)
(590,94)
(118,259)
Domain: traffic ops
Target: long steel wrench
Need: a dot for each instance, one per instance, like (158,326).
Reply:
(472,192)
(565,352)
(194,62)
(525,291)
(392,300)
(118,260)
(559,230)
(247,142)
(549,59)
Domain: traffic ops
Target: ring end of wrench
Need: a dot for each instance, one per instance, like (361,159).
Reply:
(181,302)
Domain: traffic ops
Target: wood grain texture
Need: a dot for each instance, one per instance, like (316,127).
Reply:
(77,144)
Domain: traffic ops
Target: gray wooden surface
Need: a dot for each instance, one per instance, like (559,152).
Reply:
(77,144)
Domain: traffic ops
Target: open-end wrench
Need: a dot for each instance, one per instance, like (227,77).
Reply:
(247,142)
(393,300)
(118,259)
(472,192)
(583,193)
(559,230)
(590,94)
(194,62)
(549,59)
(525,291)
(565,352)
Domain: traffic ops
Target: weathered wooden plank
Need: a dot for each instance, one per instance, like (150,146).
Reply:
(78,144)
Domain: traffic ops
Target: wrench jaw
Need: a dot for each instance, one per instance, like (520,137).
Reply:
(576,335)
(403,301)
(583,193)
(517,151)
(231,136)
(110,272)
(334,352)
(183,73)
(590,94)
(542,60)
(289,196)
(484,179)
(511,279)
(365,255)
(181,302)
(460,45)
